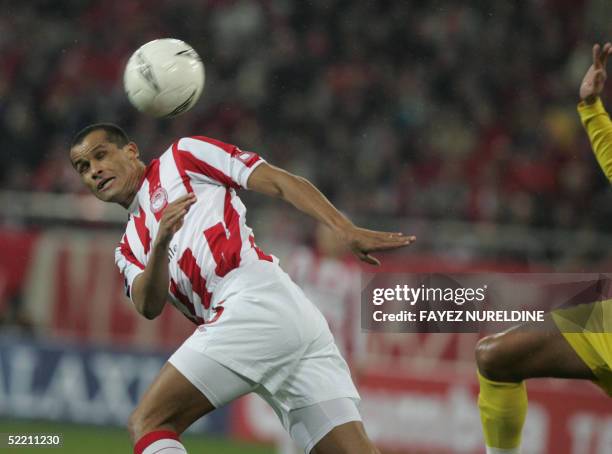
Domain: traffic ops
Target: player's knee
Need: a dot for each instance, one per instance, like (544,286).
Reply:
(492,358)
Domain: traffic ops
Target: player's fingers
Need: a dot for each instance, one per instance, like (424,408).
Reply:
(389,246)
(605,53)
(181,214)
(187,199)
(404,239)
(186,202)
(177,226)
(170,212)
(394,234)
(596,52)
(373,235)
(365,257)
(389,240)
(182,199)
(180,204)
(384,242)
(399,237)
(175,217)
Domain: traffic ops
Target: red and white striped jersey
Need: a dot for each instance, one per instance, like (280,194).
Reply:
(214,238)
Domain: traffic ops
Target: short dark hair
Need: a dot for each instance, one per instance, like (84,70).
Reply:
(115,134)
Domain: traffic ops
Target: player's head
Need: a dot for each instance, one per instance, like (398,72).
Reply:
(108,162)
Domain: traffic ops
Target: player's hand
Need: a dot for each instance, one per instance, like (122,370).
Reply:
(172,219)
(363,241)
(593,82)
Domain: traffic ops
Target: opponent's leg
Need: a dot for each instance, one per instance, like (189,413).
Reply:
(504,361)
(503,407)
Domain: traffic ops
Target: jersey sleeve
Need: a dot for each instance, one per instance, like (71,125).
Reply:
(129,266)
(599,129)
(213,161)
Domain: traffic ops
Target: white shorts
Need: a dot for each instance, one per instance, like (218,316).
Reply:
(306,425)
(271,335)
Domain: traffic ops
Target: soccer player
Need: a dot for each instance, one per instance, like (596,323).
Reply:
(572,343)
(187,242)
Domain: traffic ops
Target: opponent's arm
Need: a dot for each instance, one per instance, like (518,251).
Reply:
(303,195)
(150,288)
(591,110)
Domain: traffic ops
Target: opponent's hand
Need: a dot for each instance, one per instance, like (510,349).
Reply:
(595,78)
(363,241)
(172,219)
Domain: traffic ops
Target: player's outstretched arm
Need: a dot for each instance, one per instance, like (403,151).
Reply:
(150,288)
(303,195)
(592,113)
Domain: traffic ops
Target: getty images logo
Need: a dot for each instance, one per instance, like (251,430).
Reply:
(413,295)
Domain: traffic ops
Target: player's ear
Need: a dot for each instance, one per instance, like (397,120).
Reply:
(132,149)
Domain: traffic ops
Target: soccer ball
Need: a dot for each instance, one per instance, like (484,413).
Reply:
(164,77)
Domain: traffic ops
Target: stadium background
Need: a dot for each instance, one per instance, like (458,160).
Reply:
(454,121)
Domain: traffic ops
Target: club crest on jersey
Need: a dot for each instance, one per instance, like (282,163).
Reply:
(159,200)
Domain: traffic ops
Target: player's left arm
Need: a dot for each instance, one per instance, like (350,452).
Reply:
(592,113)
(302,194)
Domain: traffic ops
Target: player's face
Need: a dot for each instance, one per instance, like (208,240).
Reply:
(110,172)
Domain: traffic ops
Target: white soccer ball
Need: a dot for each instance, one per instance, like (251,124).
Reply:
(164,77)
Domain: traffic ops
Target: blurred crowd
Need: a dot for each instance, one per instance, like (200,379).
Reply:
(432,109)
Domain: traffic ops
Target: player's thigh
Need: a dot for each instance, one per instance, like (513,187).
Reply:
(171,402)
(347,438)
(190,385)
(530,350)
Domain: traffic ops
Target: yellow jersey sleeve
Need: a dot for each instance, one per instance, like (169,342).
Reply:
(599,129)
